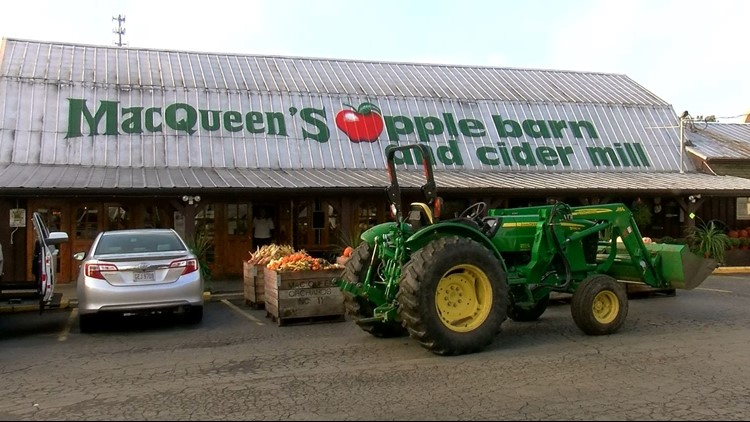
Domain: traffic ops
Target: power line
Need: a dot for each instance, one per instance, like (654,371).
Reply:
(732,117)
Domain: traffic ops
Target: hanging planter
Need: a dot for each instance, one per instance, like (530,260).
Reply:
(641,214)
(709,241)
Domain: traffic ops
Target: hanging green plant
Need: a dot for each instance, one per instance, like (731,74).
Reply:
(641,214)
(708,240)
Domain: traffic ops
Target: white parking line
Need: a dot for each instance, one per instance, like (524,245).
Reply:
(68,325)
(241,312)
(714,290)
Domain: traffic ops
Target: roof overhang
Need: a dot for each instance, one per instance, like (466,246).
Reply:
(19,179)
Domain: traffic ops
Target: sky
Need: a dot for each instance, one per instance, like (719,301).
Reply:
(692,54)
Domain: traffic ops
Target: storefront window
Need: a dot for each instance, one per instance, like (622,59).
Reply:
(87,223)
(204,226)
(117,217)
(317,226)
(155,217)
(367,216)
(237,219)
(743,208)
(51,217)
(334,229)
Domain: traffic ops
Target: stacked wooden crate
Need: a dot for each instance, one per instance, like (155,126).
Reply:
(254,285)
(294,297)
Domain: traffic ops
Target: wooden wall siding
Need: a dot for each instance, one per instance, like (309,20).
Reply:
(731,169)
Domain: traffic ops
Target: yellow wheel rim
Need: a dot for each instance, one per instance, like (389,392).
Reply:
(606,307)
(463,298)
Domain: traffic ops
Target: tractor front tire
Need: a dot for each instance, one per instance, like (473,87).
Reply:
(359,308)
(453,296)
(599,305)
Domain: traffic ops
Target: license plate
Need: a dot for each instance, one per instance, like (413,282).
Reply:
(144,276)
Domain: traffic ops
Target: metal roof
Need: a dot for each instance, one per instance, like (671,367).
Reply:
(137,68)
(547,112)
(20,179)
(712,141)
(105,106)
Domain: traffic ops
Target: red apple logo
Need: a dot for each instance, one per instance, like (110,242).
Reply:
(363,124)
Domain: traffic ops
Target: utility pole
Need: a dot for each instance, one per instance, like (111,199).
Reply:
(685,115)
(120,31)
(682,143)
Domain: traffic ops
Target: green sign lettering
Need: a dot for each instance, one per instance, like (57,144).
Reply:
(79,109)
(317,118)
(440,132)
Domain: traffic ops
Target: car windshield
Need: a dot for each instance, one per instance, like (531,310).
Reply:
(138,242)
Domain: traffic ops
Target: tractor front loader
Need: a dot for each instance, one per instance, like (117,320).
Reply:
(450,284)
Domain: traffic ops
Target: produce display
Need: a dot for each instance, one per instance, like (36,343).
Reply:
(267,253)
(301,261)
(285,258)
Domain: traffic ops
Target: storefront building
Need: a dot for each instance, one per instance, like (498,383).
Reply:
(100,137)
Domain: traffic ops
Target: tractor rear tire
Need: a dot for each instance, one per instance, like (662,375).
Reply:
(453,296)
(600,305)
(519,314)
(358,308)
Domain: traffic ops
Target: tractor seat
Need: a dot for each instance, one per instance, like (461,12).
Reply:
(420,215)
(490,225)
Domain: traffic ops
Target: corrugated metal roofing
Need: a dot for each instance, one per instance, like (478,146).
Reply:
(712,140)
(38,149)
(250,112)
(19,178)
(102,66)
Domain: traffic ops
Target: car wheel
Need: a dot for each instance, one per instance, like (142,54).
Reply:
(87,323)
(194,315)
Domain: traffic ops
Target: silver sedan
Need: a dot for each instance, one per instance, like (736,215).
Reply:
(141,271)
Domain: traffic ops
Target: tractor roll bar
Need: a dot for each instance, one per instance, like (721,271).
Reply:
(429,189)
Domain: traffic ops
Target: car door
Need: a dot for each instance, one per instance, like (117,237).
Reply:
(44,258)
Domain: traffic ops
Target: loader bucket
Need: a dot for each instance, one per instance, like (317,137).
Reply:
(680,267)
(674,264)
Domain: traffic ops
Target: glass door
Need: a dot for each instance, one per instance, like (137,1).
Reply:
(205,226)
(316,228)
(52,217)
(236,248)
(85,226)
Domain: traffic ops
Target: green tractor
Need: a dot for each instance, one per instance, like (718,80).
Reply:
(450,284)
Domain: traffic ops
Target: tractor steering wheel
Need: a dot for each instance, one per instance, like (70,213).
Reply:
(475,211)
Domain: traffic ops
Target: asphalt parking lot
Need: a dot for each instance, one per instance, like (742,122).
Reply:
(676,358)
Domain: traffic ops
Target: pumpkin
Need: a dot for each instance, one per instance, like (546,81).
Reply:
(743,233)
(348,251)
(733,234)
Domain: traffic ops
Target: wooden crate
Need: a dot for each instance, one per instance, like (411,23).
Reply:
(254,285)
(342,260)
(303,296)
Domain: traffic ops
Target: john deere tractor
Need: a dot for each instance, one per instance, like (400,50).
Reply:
(451,283)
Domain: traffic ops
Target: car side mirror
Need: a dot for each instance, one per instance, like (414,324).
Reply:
(78,256)
(56,238)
